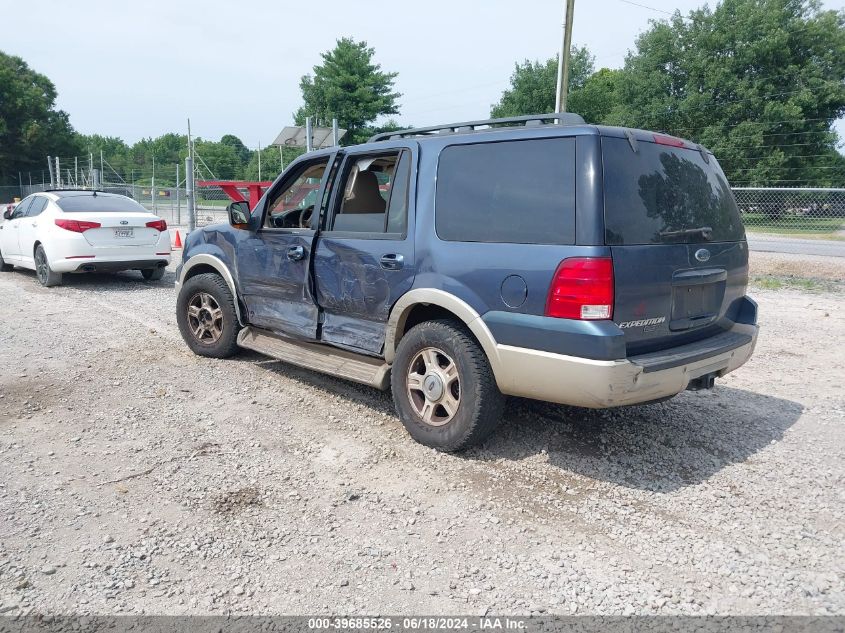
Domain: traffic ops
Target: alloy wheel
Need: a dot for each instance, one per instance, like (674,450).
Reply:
(434,387)
(205,318)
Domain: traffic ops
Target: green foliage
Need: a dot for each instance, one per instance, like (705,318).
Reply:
(533,84)
(757,81)
(235,143)
(270,162)
(30,126)
(596,99)
(350,87)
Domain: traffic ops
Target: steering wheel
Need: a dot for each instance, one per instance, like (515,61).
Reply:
(305,217)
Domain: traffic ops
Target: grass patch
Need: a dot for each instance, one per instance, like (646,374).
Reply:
(794,225)
(805,284)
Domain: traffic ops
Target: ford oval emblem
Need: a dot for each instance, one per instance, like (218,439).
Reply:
(702,255)
(127,222)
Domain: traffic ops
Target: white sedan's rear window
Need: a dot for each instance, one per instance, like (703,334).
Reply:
(101,203)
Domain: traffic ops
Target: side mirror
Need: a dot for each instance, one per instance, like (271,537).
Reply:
(7,214)
(239,214)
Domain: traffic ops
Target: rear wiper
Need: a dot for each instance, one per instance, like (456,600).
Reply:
(704,231)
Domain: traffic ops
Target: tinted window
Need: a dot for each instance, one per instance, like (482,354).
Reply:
(374,194)
(654,195)
(22,208)
(101,203)
(515,191)
(37,206)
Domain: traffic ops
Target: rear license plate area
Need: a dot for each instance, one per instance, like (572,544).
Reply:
(124,234)
(695,305)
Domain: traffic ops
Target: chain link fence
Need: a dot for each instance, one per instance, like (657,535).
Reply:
(773,216)
(787,211)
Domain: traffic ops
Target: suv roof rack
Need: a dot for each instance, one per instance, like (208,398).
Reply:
(562,118)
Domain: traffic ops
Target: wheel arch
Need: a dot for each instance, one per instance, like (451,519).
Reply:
(205,263)
(423,304)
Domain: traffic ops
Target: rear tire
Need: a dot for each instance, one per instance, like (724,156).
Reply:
(46,276)
(205,312)
(152,274)
(443,387)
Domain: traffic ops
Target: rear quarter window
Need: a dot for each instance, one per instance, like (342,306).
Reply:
(520,192)
(99,204)
(660,190)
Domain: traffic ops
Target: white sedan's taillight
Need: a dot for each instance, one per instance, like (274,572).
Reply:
(158,225)
(77,226)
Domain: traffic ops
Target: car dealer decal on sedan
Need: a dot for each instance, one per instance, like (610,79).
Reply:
(76,231)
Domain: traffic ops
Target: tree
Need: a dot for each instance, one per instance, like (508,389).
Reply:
(271,164)
(533,84)
(31,128)
(597,100)
(757,81)
(237,144)
(350,87)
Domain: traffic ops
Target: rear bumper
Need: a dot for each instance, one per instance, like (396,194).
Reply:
(108,265)
(600,383)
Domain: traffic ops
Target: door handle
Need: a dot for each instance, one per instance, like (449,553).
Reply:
(392,261)
(296,253)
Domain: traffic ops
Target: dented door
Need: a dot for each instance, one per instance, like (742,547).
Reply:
(360,270)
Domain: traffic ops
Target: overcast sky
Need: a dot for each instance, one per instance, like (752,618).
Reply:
(140,69)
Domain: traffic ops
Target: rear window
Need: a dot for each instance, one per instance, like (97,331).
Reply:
(659,193)
(521,192)
(99,204)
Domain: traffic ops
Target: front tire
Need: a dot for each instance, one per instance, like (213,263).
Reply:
(205,312)
(443,387)
(46,276)
(4,267)
(152,274)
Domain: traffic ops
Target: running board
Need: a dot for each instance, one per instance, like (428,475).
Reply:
(323,358)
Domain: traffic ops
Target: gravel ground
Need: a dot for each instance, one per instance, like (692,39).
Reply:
(138,478)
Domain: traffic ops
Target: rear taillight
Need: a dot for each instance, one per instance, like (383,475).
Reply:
(158,225)
(77,226)
(582,288)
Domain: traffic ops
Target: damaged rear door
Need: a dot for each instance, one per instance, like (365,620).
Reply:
(364,257)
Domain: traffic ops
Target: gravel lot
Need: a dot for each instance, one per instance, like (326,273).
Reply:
(138,478)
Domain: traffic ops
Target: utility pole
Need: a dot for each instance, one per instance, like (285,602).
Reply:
(189,184)
(335,133)
(58,174)
(50,169)
(563,60)
(281,157)
(259,162)
(178,202)
(153,185)
(102,173)
(309,131)
(20,185)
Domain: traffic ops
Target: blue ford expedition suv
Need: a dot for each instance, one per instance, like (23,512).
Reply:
(537,256)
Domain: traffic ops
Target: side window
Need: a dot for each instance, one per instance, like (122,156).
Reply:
(520,192)
(293,205)
(23,208)
(374,194)
(37,206)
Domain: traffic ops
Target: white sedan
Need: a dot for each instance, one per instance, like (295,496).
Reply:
(76,231)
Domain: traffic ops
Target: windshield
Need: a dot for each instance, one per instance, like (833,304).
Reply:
(663,194)
(101,203)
